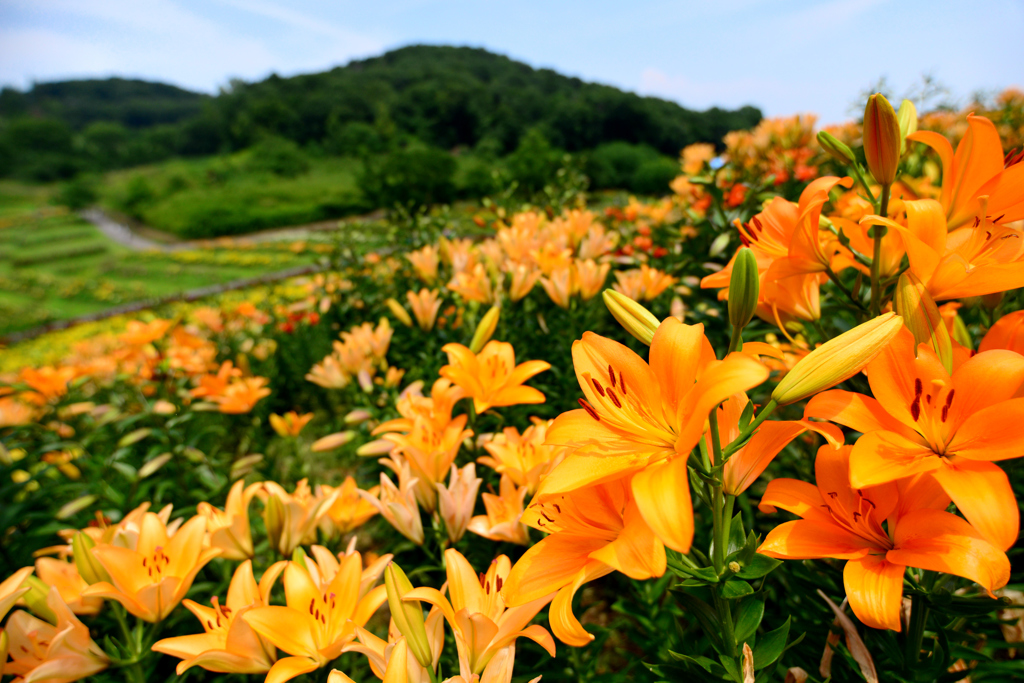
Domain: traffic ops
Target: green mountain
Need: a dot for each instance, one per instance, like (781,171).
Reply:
(444,97)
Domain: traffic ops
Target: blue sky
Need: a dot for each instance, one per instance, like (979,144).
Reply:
(785,56)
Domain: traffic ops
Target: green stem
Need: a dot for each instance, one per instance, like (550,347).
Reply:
(860,178)
(915,631)
(134,667)
(843,288)
(745,434)
(876,261)
(736,342)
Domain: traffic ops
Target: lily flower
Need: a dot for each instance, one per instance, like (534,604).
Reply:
(397,504)
(845,522)
(12,588)
(971,261)
(644,420)
(560,285)
(1006,333)
(502,519)
(425,261)
(593,532)
(64,576)
(291,518)
(748,463)
(430,452)
(525,458)
(151,576)
(477,613)
(457,500)
(228,529)
(948,426)
(425,306)
(228,645)
(524,278)
(321,616)
(492,377)
(56,653)
(349,511)
(289,424)
(976,170)
(590,277)
(241,396)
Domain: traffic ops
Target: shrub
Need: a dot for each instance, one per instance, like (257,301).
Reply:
(411,178)
(653,177)
(278,156)
(534,163)
(614,164)
(77,193)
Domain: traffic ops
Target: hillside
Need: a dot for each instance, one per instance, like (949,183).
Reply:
(444,97)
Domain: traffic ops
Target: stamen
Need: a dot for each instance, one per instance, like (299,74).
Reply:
(597,385)
(611,374)
(614,398)
(590,411)
(949,402)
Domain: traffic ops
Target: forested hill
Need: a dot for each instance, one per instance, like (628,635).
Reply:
(443,96)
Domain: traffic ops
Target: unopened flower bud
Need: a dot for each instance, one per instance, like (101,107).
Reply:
(922,317)
(836,148)
(399,312)
(89,568)
(633,317)
(743,288)
(735,567)
(485,330)
(377,447)
(332,441)
(408,616)
(273,520)
(35,598)
(356,416)
(837,359)
(881,139)
(907,118)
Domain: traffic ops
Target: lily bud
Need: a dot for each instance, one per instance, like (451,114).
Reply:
(907,118)
(356,416)
(35,598)
(743,288)
(633,317)
(332,441)
(399,312)
(89,568)
(274,520)
(836,148)
(299,557)
(408,616)
(837,359)
(485,330)
(922,317)
(4,646)
(881,139)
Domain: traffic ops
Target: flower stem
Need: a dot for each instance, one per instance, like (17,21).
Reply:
(745,434)
(721,515)
(843,288)
(876,261)
(736,341)
(133,667)
(915,632)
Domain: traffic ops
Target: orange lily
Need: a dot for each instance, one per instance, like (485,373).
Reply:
(502,520)
(524,278)
(151,577)
(975,171)
(477,613)
(215,384)
(593,532)
(289,424)
(326,602)
(14,413)
(430,452)
(291,518)
(425,261)
(241,396)
(492,377)
(397,504)
(457,500)
(425,306)
(590,277)
(56,653)
(560,285)
(228,529)
(924,420)
(12,588)
(349,511)
(64,576)
(525,458)
(845,522)
(749,462)
(644,420)
(437,407)
(971,261)
(140,333)
(48,382)
(1006,333)
(229,645)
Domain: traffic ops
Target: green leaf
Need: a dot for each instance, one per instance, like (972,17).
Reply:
(770,646)
(736,589)
(732,668)
(737,534)
(134,437)
(705,575)
(704,614)
(758,567)
(748,618)
(705,663)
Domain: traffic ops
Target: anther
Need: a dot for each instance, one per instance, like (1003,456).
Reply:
(614,398)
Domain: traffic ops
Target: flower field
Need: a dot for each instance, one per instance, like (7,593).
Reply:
(764,428)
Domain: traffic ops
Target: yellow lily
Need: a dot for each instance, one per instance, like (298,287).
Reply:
(152,576)
(425,306)
(457,500)
(391,656)
(229,645)
(477,614)
(291,518)
(322,614)
(349,511)
(289,424)
(228,529)
(12,588)
(397,504)
(492,377)
(56,653)
(64,576)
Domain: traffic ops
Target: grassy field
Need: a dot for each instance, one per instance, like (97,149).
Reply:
(54,265)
